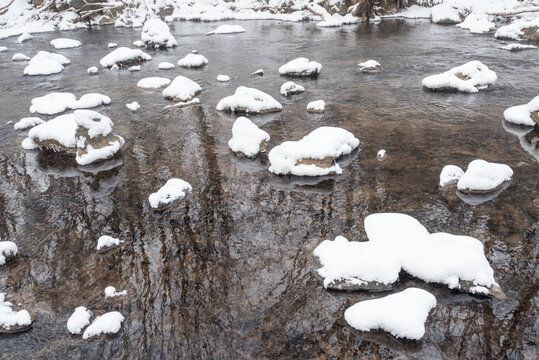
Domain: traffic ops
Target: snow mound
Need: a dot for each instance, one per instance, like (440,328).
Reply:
(92,70)
(112,45)
(139,43)
(469,78)
(171,192)
(27,122)
(106,241)
(108,323)
(450,174)
(181,89)
(402,314)
(87,101)
(156,34)
(46,63)
(19,57)
(110,291)
(301,67)
(517,47)
(192,60)
(24,37)
(3,48)
(155,82)
(259,72)
(290,87)
(314,154)
(477,23)
(445,14)
(63,43)
(54,103)
(483,177)
(249,100)
(223,78)
(124,57)
(78,320)
(527,114)
(134,68)
(247,138)
(166,65)
(12,321)
(520,30)
(369,66)
(318,106)
(381,155)
(8,250)
(57,134)
(134,106)
(227,29)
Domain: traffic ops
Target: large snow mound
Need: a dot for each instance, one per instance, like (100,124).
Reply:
(156,34)
(57,102)
(247,138)
(469,78)
(483,177)
(249,100)
(301,67)
(445,14)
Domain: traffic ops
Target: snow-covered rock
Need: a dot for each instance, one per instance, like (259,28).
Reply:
(249,100)
(317,106)
(173,191)
(19,57)
(112,45)
(477,23)
(155,82)
(469,78)
(301,67)
(54,103)
(525,29)
(450,174)
(12,321)
(124,57)
(27,123)
(3,48)
(156,34)
(369,66)
(314,154)
(46,63)
(8,250)
(381,155)
(63,43)
(517,47)
(247,138)
(92,70)
(223,78)
(402,314)
(87,101)
(166,65)
(483,177)
(134,68)
(227,29)
(290,87)
(56,135)
(78,320)
(259,72)
(110,292)
(445,14)
(108,323)
(24,37)
(192,60)
(134,106)
(527,114)
(139,43)
(105,242)
(399,242)
(181,89)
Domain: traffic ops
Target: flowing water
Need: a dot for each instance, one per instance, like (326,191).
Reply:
(229,273)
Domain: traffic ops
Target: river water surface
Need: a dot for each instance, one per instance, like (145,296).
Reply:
(229,273)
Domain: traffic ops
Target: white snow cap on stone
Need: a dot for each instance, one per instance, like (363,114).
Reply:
(156,33)
(249,100)
(78,320)
(92,70)
(291,87)
(166,65)
(381,155)
(402,314)
(223,78)
(155,82)
(108,323)
(450,174)
(482,176)
(369,64)
(24,37)
(46,63)
(134,106)
(318,106)
(322,143)
(477,23)
(175,189)
(106,241)
(54,103)
(27,122)
(110,291)
(514,30)
(182,89)
(138,43)
(247,137)
(134,68)
(521,114)
(445,13)
(63,43)
(19,57)
(3,48)
(300,67)
(61,129)
(259,72)
(10,318)
(517,47)
(112,45)
(192,60)
(479,76)
(91,100)
(227,29)
(7,249)
(123,54)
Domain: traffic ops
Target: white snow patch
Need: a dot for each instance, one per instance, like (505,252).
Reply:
(112,45)
(19,57)
(110,291)
(108,323)
(155,82)
(138,43)
(291,87)
(181,88)
(54,103)
(514,30)
(247,137)
(259,72)
(192,60)
(174,190)
(381,155)
(318,106)
(477,23)
(3,48)
(46,63)
(78,320)
(7,249)
(134,68)
(134,106)
(223,78)
(300,67)
(27,122)
(166,65)
(10,318)
(482,176)
(92,70)
(156,34)
(450,174)
(227,29)
(63,43)
(249,100)
(24,37)
(123,54)
(445,14)
(478,76)
(412,12)
(521,114)
(106,241)
(369,65)
(60,129)
(517,47)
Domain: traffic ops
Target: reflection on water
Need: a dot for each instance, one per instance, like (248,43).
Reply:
(229,273)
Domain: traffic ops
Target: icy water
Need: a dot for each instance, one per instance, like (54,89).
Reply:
(229,273)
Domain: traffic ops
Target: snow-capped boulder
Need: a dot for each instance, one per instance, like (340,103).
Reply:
(63,43)
(527,114)
(483,177)
(169,194)
(477,23)
(19,57)
(402,314)
(110,292)
(290,87)
(105,242)
(166,65)
(399,242)
(227,29)
(24,37)
(46,63)
(124,57)
(450,174)
(369,66)
(134,106)
(93,70)
(259,72)
(314,154)
(111,45)
(469,78)
(247,138)
(78,320)
(156,34)
(301,67)
(55,103)
(181,89)
(223,78)
(8,250)
(445,14)
(139,43)
(249,100)
(155,82)
(56,135)
(381,155)
(317,106)
(108,323)
(517,47)
(12,321)
(524,29)
(192,60)
(27,123)
(91,100)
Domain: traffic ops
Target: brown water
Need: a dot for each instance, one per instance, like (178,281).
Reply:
(229,272)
